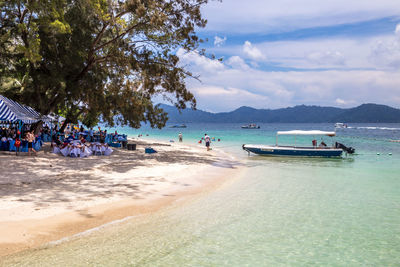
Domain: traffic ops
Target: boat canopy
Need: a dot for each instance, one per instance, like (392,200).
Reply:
(301,132)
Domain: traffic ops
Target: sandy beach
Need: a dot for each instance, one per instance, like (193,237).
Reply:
(49,197)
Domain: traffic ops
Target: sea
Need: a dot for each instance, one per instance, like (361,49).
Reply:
(281,211)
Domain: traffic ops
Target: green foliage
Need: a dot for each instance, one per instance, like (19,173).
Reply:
(91,59)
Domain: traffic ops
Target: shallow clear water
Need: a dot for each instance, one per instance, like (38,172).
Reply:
(283,211)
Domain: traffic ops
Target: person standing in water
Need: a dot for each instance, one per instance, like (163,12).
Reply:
(207,140)
(180,137)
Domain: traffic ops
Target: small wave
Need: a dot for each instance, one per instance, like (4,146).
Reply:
(87,232)
(375,128)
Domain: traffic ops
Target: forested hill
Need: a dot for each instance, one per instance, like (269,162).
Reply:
(367,113)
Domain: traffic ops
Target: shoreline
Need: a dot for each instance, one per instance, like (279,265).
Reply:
(178,180)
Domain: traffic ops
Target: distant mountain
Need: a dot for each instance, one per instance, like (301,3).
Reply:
(371,113)
(186,115)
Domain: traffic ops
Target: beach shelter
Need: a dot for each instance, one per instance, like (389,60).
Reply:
(11,111)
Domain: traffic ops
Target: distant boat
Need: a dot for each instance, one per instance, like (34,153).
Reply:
(251,126)
(313,151)
(340,125)
(178,126)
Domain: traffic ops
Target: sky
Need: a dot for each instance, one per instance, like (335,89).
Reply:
(284,53)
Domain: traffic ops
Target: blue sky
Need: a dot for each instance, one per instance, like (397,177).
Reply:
(289,52)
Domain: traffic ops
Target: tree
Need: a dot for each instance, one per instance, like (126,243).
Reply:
(91,59)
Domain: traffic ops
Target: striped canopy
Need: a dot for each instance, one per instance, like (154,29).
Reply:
(11,111)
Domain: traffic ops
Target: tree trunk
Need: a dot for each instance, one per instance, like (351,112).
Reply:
(64,125)
(36,127)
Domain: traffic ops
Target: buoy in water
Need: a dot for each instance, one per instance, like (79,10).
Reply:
(390,154)
(378,153)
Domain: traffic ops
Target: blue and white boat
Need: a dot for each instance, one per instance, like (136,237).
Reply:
(178,126)
(251,126)
(321,150)
(340,125)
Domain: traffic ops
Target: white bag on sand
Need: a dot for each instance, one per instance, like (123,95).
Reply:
(56,150)
(108,151)
(65,151)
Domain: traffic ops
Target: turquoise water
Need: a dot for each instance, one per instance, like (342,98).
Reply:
(283,211)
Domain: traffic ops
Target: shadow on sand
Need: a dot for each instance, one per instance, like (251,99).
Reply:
(48,179)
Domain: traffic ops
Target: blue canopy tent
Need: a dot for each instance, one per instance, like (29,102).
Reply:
(13,112)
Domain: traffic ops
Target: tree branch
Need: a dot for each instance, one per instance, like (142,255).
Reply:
(119,35)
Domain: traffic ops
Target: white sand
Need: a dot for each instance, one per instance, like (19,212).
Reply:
(48,197)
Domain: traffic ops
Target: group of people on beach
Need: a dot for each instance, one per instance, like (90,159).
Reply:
(78,142)
(74,139)
(90,134)
(207,140)
(13,138)
(81,148)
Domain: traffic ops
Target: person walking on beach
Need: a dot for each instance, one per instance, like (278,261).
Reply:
(180,137)
(207,140)
(30,137)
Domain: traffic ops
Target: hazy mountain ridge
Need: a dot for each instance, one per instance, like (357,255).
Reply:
(365,113)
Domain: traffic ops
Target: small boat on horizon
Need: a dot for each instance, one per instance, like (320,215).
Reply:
(251,126)
(178,126)
(313,151)
(341,125)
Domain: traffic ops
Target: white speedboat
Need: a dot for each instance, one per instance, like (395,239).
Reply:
(321,150)
(340,125)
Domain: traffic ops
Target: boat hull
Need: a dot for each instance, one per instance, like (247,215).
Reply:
(293,151)
(178,126)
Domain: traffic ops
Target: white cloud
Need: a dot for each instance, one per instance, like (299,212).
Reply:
(271,16)
(342,102)
(211,96)
(397,31)
(338,53)
(326,58)
(201,63)
(386,53)
(238,83)
(237,62)
(218,41)
(263,89)
(252,51)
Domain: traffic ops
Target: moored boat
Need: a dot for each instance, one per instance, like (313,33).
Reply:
(178,126)
(340,125)
(313,151)
(251,126)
